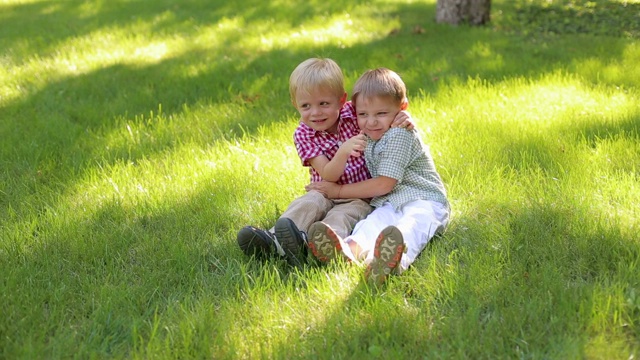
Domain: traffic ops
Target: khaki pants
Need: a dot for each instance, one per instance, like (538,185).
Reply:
(341,214)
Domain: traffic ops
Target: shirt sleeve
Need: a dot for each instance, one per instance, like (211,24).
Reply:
(306,147)
(395,157)
(348,111)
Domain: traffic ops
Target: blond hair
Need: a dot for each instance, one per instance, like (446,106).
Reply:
(380,82)
(316,73)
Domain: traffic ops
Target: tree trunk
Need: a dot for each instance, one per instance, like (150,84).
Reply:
(473,12)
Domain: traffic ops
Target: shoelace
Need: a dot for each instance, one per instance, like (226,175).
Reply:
(279,248)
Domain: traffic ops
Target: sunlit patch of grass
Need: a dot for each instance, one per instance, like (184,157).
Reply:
(138,138)
(540,128)
(139,43)
(82,56)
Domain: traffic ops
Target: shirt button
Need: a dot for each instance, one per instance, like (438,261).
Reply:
(339,143)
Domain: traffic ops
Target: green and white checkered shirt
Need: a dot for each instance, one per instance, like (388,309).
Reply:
(400,154)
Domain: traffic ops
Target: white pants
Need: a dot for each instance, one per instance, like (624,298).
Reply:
(418,221)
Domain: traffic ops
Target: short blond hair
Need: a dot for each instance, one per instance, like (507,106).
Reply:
(316,73)
(380,82)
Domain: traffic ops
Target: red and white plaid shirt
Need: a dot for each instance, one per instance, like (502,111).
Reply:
(311,143)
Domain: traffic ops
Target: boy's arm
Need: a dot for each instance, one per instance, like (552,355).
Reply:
(370,188)
(392,167)
(331,170)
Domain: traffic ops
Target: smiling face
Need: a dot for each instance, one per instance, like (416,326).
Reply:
(378,96)
(320,108)
(376,113)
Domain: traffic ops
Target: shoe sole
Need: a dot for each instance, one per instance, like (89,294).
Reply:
(386,255)
(284,229)
(324,243)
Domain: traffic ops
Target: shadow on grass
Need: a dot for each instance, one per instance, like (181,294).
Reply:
(600,17)
(98,283)
(91,106)
(509,296)
(40,27)
(595,129)
(124,250)
(85,101)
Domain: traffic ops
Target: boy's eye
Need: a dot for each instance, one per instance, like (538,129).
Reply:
(324,103)
(382,113)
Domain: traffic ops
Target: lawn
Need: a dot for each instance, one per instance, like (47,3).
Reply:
(139,136)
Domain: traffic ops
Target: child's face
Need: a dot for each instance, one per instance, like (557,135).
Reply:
(375,115)
(320,108)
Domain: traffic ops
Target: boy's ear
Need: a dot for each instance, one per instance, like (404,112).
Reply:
(343,98)
(404,104)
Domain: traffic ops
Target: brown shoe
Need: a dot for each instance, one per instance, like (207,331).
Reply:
(386,256)
(324,243)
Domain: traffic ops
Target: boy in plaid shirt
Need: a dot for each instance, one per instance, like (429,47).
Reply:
(409,197)
(329,142)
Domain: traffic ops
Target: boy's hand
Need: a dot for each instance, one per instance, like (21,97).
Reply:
(330,190)
(403,120)
(354,146)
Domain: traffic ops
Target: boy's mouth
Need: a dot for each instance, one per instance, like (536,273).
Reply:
(374,133)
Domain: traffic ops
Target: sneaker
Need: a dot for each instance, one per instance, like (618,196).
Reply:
(256,242)
(324,243)
(386,255)
(292,240)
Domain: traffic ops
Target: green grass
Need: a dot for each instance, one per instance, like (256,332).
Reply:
(138,137)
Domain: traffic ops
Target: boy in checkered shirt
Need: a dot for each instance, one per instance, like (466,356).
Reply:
(409,197)
(330,143)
